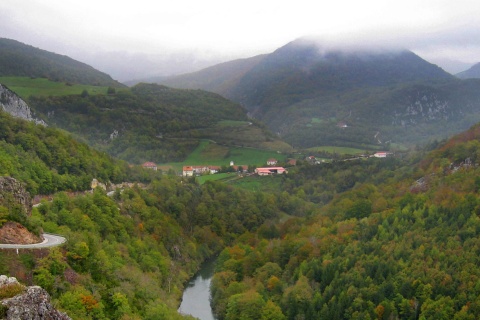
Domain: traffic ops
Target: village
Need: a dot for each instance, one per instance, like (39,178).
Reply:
(271,167)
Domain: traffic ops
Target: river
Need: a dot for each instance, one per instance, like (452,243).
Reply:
(196,296)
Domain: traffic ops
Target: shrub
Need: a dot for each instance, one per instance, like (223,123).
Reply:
(11,290)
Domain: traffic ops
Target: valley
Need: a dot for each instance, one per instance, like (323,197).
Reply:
(348,233)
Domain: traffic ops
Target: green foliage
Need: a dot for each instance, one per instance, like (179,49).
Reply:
(26,87)
(21,60)
(48,160)
(402,247)
(147,122)
(11,290)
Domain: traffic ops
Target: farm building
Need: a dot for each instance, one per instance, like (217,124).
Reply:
(150,165)
(270,171)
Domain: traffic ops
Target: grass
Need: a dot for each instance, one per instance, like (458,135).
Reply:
(26,87)
(216,177)
(11,290)
(337,150)
(209,153)
(232,123)
(256,183)
(317,120)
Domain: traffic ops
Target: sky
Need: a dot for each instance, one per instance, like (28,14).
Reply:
(138,38)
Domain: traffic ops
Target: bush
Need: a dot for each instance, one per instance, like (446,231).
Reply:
(11,290)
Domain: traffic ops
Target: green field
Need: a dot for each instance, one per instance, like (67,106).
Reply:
(338,150)
(209,153)
(256,183)
(26,87)
(317,121)
(217,176)
(233,123)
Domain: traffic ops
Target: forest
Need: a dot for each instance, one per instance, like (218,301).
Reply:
(145,123)
(405,248)
(393,238)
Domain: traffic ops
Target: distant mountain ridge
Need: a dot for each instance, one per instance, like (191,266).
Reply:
(21,60)
(472,73)
(303,90)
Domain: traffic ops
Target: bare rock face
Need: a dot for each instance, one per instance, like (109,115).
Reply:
(14,233)
(32,304)
(13,192)
(15,106)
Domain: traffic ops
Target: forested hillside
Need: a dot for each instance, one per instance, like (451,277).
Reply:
(48,160)
(401,247)
(150,122)
(129,254)
(317,95)
(21,60)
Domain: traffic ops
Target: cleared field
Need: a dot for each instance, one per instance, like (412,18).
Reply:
(209,153)
(233,123)
(218,176)
(256,183)
(338,150)
(26,87)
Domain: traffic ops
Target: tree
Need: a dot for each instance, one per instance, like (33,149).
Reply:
(272,312)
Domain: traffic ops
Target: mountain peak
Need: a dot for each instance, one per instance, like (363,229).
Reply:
(473,72)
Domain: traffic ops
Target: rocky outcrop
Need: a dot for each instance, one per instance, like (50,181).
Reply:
(13,192)
(15,106)
(14,233)
(33,303)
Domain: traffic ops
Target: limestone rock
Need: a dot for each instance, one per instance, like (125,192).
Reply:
(13,192)
(33,304)
(14,105)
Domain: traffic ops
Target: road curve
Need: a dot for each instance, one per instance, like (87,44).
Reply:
(49,240)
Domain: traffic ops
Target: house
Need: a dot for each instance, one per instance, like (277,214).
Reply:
(342,124)
(270,171)
(382,154)
(150,165)
(272,162)
(187,171)
(214,169)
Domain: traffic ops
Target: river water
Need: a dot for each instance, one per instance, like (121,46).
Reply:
(196,296)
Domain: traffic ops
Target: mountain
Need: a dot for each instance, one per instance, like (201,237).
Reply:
(472,72)
(21,60)
(221,78)
(154,123)
(303,91)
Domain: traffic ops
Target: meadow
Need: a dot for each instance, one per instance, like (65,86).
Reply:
(210,153)
(338,150)
(26,87)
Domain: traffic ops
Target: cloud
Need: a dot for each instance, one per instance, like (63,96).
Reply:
(218,29)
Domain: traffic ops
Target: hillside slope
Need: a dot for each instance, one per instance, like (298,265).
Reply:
(405,247)
(221,78)
(153,123)
(21,60)
(312,95)
(473,72)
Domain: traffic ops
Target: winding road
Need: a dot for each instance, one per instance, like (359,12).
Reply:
(49,240)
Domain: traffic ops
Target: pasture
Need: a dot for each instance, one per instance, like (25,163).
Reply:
(26,87)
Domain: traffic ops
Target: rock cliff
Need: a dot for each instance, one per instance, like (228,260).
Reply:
(15,106)
(13,192)
(30,303)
